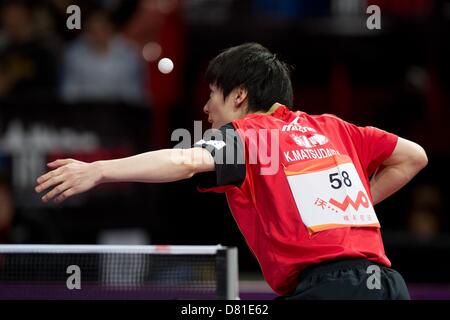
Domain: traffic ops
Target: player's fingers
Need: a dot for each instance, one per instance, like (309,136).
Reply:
(66,194)
(59,162)
(50,183)
(49,175)
(56,191)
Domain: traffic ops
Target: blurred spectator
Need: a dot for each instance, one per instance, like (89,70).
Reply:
(159,28)
(424,222)
(18,225)
(102,65)
(404,8)
(6,210)
(291,8)
(121,11)
(27,63)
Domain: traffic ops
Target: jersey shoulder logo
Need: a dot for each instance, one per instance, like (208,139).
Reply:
(309,142)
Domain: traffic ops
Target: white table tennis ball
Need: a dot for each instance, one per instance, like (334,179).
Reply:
(165,65)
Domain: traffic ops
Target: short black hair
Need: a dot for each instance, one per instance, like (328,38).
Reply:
(266,78)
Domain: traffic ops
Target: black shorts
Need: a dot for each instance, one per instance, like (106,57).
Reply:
(352,279)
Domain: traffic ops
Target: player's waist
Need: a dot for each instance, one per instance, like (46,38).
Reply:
(335,265)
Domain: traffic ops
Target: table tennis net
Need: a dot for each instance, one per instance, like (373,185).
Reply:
(118,272)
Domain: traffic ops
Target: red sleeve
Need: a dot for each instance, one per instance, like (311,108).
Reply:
(373,145)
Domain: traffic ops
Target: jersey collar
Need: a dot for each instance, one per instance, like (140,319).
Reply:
(272,109)
(276,110)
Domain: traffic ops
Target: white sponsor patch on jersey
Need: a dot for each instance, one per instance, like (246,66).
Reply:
(309,142)
(217,144)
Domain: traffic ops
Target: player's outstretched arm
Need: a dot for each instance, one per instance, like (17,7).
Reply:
(69,177)
(407,159)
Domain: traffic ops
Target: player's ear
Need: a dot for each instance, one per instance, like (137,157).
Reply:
(240,96)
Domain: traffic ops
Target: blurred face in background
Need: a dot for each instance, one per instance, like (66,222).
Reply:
(16,21)
(99,30)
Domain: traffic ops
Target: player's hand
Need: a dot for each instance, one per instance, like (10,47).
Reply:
(68,177)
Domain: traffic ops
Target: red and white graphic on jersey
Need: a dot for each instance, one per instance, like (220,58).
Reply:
(329,194)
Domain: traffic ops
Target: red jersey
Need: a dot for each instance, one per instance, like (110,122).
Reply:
(306,194)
